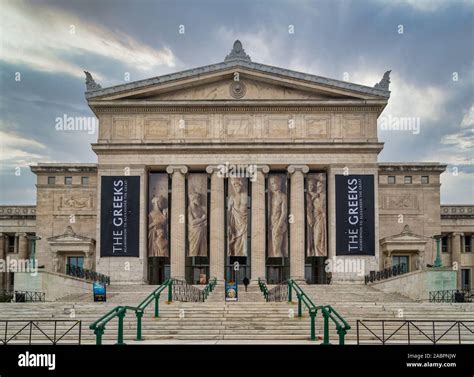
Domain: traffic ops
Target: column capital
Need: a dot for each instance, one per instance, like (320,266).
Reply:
(265,169)
(294,168)
(460,234)
(210,169)
(176,168)
(20,234)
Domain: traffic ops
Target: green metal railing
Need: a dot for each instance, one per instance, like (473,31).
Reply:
(327,311)
(209,287)
(263,288)
(120,311)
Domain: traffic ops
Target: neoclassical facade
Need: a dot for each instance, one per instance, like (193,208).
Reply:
(240,169)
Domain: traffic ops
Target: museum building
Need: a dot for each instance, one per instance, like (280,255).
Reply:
(238,169)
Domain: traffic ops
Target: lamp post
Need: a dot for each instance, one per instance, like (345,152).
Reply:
(438,261)
(33,249)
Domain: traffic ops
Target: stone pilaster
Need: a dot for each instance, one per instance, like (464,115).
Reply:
(22,246)
(297,223)
(217,229)
(178,220)
(456,256)
(3,255)
(258,224)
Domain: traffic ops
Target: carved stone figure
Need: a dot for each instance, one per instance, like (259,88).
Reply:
(197,226)
(237,212)
(90,82)
(278,218)
(316,216)
(385,82)
(158,245)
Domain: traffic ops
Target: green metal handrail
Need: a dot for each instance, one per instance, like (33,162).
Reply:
(209,287)
(120,311)
(328,312)
(263,288)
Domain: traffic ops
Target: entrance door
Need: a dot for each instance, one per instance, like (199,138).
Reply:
(315,272)
(466,279)
(158,270)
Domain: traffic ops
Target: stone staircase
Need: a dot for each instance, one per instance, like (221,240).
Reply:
(250,320)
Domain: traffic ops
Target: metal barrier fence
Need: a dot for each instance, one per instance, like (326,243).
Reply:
(454,295)
(82,273)
(40,331)
(278,293)
(415,331)
(185,292)
(21,296)
(386,273)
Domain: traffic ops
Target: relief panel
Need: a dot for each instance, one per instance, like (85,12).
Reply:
(238,126)
(157,128)
(278,128)
(317,127)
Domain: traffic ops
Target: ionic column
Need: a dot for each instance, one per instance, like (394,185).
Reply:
(22,246)
(258,235)
(456,256)
(216,230)
(3,255)
(178,221)
(297,251)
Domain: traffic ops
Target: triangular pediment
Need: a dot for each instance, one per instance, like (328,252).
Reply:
(406,236)
(69,237)
(255,82)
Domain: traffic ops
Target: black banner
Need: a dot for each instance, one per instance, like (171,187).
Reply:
(119,216)
(355,215)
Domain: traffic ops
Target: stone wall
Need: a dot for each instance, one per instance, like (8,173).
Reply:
(53,284)
(418,284)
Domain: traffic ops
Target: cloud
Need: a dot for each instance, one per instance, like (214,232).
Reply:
(46,39)
(17,151)
(457,188)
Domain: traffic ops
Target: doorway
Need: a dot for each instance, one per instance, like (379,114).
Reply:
(158,270)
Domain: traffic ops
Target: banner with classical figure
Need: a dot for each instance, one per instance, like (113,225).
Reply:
(316,221)
(158,215)
(119,216)
(237,217)
(355,215)
(277,216)
(197,215)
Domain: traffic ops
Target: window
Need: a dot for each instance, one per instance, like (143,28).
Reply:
(85,181)
(467,244)
(391,179)
(68,181)
(444,244)
(425,179)
(51,180)
(73,262)
(401,260)
(408,180)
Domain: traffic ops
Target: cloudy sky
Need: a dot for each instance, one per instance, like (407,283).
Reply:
(46,45)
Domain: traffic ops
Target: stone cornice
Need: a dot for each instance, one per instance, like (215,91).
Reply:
(404,167)
(258,146)
(457,211)
(64,168)
(17,212)
(213,107)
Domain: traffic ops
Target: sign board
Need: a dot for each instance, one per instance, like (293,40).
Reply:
(119,216)
(355,215)
(99,291)
(231,291)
